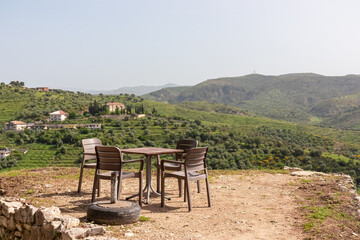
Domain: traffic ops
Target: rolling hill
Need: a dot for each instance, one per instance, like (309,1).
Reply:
(304,97)
(139,90)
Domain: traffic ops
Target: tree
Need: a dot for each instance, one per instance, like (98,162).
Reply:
(72,115)
(117,111)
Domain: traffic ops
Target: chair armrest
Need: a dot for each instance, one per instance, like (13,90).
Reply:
(141,161)
(170,161)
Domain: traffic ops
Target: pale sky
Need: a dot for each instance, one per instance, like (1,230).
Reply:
(109,44)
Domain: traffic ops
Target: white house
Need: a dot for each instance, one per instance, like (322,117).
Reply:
(58,116)
(15,125)
(4,153)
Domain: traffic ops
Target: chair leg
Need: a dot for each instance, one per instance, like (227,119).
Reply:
(188,194)
(94,189)
(208,190)
(81,175)
(120,184)
(158,173)
(180,187)
(162,189)
(98,187)
(185,191)
(140,188)
(198,185)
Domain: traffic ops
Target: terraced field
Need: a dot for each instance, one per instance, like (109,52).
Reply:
(43,156)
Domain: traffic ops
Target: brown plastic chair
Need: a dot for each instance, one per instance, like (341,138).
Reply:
(186,145)
(194,169)
(88,154)
(110,159)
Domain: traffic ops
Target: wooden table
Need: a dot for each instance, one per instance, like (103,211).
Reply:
(148,152)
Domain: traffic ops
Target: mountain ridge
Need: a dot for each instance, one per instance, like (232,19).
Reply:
(297,97)
(137,90)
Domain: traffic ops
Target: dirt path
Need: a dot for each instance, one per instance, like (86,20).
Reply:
(244,207)
(248,205)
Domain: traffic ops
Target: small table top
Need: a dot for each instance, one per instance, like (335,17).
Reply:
(151,151)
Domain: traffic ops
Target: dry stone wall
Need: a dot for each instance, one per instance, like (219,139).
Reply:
(19,220)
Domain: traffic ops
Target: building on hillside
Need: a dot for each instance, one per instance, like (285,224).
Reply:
(93,126)
(15,125)
(42,89)
(113,105)
(58,116)
(37,125)
(4,153)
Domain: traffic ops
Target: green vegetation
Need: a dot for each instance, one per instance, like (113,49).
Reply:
(144,219)
(236,139)
(306,98)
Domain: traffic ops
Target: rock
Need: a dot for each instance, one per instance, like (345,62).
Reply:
(11,225)
(26,235)
(49,229)
(96,231)
(20,215)
(46,215)
(129,234)
(292,169)
(69,222)
(17,234)
(74,233)
(19,227)
(9,207)
(3,221)
(303,173)
(27,227)
(35,232)
(30,213)
(77,233)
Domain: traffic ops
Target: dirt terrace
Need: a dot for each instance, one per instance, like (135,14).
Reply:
(246,204)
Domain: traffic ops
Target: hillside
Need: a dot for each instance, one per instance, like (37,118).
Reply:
(237,139)
(138,90)
(307,98)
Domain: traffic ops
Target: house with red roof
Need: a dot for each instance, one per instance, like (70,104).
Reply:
(111,106)
(58,116)
(15,125)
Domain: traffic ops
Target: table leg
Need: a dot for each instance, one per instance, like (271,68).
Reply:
(148,187)
(148,178)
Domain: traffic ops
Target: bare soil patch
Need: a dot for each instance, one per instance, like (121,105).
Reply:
(246,204)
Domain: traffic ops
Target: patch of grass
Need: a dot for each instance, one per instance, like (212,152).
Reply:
(305,180)
(320,213)
(317,216)
(144,219)
(67,176)
(327,212)
(30,191)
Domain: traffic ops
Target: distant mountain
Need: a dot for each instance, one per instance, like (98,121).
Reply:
(304,97)
(139,90)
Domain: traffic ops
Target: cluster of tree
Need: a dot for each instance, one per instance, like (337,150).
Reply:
(17,83)
(263,147)
(10,161)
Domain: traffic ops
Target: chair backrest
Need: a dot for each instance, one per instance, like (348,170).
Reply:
(195,159)
(108,158)
(186,145)
(89,145)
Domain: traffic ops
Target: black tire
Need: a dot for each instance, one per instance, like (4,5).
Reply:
(121,212)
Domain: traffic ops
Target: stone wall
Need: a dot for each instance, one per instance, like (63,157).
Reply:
(19,220)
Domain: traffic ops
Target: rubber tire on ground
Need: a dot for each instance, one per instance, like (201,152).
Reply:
(129,213)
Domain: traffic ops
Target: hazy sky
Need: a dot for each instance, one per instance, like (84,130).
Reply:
(112,43)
